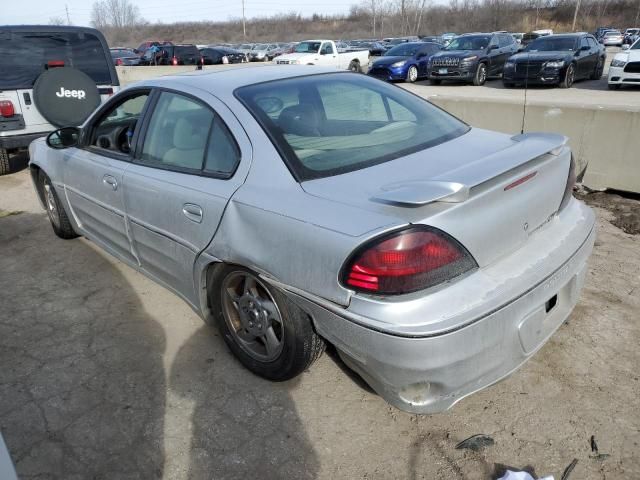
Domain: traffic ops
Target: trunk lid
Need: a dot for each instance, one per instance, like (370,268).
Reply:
(488,190)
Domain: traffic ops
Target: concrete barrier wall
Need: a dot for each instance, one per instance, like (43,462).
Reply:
(606,139)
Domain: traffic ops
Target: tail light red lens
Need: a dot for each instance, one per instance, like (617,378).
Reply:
(174,61)
(7,109)
(571,182)
(55,63)
(118,62)
(406,261)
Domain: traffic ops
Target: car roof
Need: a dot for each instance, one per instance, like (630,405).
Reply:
(47,28)
(224,82)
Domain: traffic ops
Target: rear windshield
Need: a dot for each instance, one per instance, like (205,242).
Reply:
(25,56)
(552,44)
(186,51)
(329,124)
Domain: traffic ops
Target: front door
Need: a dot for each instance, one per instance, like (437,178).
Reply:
(94,173)
(178,186)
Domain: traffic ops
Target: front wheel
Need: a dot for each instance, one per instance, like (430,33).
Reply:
(57,215)
(569,77)
(270,335)
(481,75)
(412,74)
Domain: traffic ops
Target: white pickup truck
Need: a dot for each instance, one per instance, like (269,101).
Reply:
(325,52)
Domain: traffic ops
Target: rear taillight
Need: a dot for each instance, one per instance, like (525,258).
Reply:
(406,261)
(118,62)
(55,63)
(7,109)
(571,182)
(174,61)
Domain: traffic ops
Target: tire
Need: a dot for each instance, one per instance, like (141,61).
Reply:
(481,75)
(5,167)
(412,74)
(59,220)
(597,73)
(355,66)
(614,86)
(247,311)
(569,77)
(435,81)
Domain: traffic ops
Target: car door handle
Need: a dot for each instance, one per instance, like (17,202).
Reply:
(111,181)
(192,212)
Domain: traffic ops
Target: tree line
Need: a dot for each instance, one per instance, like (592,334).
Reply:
(122,24)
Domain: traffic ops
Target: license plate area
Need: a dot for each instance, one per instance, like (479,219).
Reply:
(443,71)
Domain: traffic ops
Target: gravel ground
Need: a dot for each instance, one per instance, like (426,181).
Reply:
(107,375)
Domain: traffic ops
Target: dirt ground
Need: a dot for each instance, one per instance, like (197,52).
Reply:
(106,375)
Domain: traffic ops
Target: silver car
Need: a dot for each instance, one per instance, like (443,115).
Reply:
(612,38)
(302,206)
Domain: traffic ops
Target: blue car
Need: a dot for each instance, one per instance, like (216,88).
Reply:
(407,61)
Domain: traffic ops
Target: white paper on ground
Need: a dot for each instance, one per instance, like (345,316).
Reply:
(509,475)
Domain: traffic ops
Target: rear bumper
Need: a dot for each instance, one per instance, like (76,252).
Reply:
(20,141)
(431,371)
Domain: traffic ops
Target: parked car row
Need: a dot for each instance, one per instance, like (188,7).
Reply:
(559,59)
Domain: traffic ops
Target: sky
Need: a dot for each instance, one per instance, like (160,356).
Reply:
(166,11)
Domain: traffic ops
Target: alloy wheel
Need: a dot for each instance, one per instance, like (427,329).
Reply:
(252,316)
(52,205)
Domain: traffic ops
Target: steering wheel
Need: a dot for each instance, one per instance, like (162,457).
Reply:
(124,136)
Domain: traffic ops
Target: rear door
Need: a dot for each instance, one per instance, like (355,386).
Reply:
(184,173)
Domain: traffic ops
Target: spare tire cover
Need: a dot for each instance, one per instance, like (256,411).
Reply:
(65,96)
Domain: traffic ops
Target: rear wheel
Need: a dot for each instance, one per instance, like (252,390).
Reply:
(270,336)
(569,77)
(57,215)
(5,167)
(412,74)
(435,81)
(355,66)
(481,75)
(597,73)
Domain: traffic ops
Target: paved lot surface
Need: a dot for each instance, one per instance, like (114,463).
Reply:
(107,375)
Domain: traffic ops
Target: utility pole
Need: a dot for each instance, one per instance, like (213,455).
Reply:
(637,13)
(66,7)
(244,27)
(575,16)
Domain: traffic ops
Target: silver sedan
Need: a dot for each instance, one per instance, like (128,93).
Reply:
(295,207)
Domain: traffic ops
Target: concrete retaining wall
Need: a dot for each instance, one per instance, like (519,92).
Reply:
(604,138)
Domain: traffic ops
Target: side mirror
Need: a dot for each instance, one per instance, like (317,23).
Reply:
(625,47)
(64,138)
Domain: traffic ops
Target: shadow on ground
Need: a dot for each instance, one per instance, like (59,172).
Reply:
(243,426)
(83,385)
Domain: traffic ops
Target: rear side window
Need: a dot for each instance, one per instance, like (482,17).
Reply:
(25,56)
(187,136)
(506,40)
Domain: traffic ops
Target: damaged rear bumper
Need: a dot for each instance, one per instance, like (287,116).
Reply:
(430,372)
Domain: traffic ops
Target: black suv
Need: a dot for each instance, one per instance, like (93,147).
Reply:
(556,60)
(472,58)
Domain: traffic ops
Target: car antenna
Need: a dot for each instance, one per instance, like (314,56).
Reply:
(526,85)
